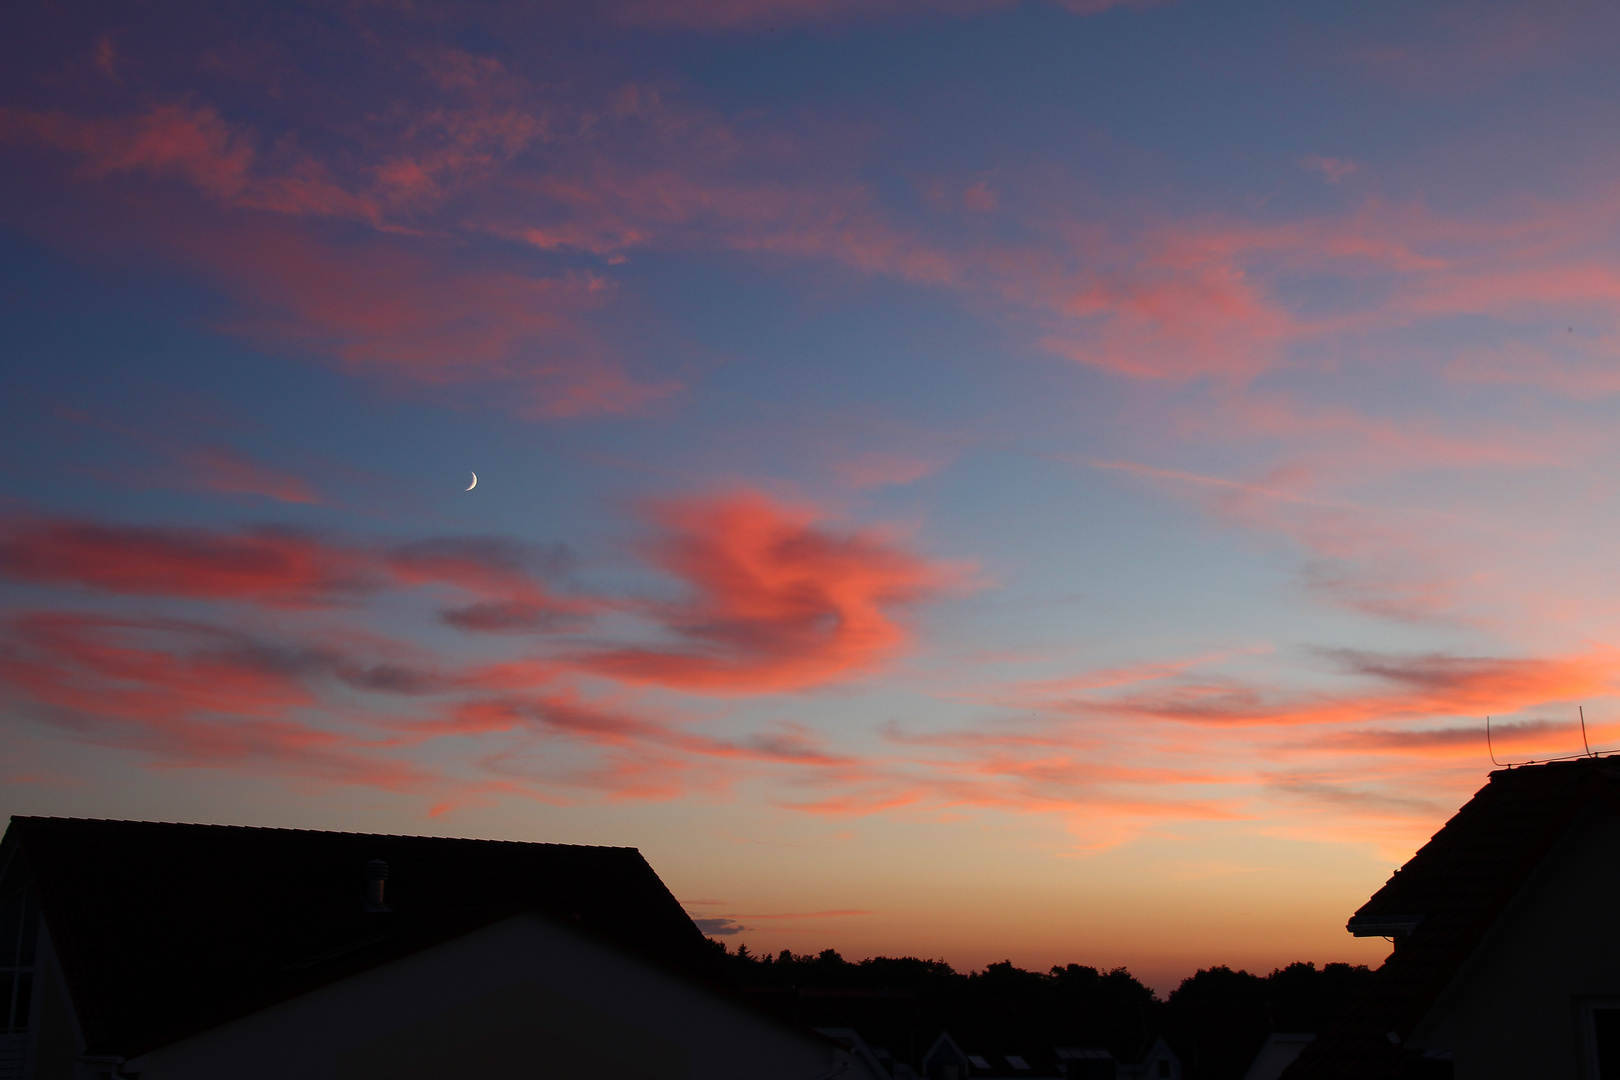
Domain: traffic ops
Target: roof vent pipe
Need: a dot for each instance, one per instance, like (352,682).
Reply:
(376,877)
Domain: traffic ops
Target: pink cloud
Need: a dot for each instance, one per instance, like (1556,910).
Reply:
(981,197)
(387,265)
(1186,313)
(1040,690)
(1384,553)
(385,304)
(389,309)
(639,167)
(193,695)
(1460,48)
(186,695)
(280,568)
(874,468)
(269,567)
(777,602)
(1177,301)
(1450,742)
(759,15)
(770,588)
(1402,704)
(194,145)
(1117,753)
(642,168)
(1335,169)
(216,467)
(1416,686)
(229,471)
(561,740)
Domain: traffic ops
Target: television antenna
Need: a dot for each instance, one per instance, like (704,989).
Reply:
(1589,753)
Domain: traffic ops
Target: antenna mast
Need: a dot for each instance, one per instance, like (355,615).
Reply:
(1585,742)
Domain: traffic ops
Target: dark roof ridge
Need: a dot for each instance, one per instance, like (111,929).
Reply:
(1566,759)
(1400,882)
(211,921)
(316,832)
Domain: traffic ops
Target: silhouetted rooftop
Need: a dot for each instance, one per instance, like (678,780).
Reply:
(1445,899)
(164,930)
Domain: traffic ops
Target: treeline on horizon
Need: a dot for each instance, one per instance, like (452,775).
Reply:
(1300,996)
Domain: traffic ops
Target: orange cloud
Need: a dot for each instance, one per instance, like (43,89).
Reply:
(1113,753)
(1447,742)
(1122,752)
(1417,686)
(561,740)
(776,602)
(837,914)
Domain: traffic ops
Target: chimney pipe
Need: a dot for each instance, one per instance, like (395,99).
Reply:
(376,876)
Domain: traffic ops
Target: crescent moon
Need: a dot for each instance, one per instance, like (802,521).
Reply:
(474,483)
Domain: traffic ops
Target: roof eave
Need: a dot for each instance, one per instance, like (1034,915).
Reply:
(1384,925)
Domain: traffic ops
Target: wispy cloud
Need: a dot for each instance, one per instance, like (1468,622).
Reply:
(1334,169)
(228,471)
(285,568)
(778,600)
(758,15)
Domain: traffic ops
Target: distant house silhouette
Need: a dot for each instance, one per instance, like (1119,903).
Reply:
(184,952)
(1507,941)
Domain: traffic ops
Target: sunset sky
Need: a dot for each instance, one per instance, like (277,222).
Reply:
(1054,481)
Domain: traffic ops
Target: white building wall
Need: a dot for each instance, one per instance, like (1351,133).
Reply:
(53,1035)
(524,998)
